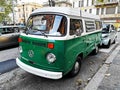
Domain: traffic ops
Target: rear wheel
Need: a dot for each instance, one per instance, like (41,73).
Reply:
(76,68)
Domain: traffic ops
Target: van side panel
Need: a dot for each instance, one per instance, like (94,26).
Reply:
(74,47)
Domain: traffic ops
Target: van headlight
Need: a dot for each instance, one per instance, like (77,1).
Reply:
(51,57)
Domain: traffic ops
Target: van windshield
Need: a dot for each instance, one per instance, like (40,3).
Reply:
(49,25)
(105,28)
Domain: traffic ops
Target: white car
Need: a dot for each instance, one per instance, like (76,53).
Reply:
(109,35)
(118,29)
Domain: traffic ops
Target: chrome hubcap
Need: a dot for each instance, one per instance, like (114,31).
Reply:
(76,67)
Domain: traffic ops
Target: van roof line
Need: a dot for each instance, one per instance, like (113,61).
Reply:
(67,11)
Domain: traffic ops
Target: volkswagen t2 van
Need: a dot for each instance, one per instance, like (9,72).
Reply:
(56,40)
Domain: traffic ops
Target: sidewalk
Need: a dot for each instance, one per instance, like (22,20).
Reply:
(108,76)
(111,80)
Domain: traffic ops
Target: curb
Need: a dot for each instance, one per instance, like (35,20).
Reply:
(98,77)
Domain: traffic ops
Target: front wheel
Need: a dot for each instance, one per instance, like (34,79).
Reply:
(76,68)
(109,43)
(114,41)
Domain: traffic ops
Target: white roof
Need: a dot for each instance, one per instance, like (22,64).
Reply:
(66,10)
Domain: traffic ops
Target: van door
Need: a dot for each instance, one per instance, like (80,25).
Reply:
(90,38)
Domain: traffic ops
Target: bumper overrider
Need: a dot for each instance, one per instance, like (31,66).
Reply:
(39,72)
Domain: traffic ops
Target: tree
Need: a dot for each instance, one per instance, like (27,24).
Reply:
(7,5)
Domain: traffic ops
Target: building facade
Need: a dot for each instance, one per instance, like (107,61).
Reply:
(24,10)
(59,3)
(108,10)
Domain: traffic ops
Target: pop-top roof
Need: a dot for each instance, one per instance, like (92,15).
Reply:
(67,11)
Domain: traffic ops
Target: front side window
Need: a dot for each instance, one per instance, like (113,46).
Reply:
(50,25)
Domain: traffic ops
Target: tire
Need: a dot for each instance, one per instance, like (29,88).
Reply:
(114,41)
(109,43)
(76,68)
(95,51)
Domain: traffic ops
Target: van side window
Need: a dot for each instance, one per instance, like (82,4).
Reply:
(98,25)
(75,26)
(90,26)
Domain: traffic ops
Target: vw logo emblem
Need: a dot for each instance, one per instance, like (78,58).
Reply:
(30,53)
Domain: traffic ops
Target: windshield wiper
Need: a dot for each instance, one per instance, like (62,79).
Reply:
(41,32)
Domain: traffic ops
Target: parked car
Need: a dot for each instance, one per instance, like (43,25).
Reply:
(8,36)
(109,35)
(118,29)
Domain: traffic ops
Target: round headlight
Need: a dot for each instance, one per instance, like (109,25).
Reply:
(51,57)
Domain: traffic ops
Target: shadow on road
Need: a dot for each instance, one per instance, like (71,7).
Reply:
(7,66)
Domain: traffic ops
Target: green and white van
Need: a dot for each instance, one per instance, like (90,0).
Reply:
(56,40)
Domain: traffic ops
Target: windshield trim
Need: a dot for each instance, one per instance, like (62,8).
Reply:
(66,24)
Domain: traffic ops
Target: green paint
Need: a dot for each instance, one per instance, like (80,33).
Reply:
(66,51)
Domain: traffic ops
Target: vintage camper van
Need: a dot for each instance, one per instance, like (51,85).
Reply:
(56,40)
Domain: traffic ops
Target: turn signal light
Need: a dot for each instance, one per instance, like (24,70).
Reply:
(19,40)
(50,45)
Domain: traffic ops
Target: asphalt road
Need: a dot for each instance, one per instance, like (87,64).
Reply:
(18,79)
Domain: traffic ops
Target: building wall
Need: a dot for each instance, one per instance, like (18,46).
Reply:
(59,3)
(28,8)
(109,10)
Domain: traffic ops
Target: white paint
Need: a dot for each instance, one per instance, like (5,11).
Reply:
(66,10)
(39,72)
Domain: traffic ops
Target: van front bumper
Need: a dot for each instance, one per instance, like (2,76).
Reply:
(39,72)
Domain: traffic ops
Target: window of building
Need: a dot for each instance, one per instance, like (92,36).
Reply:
(97,12)
(102,11)
(110,10)
(90,10)
(18,10)
(81,3)
(73,4)
(93,2)
(87,2)
(75,26)
(90,26)
(26,9)
(118,9)
(32,9)
(98,25)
